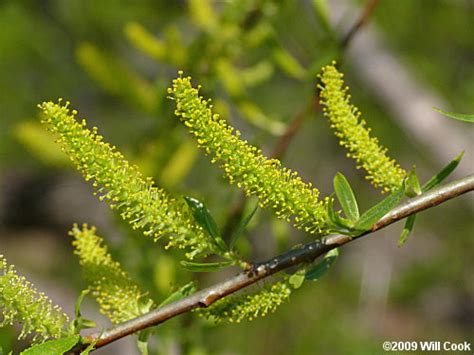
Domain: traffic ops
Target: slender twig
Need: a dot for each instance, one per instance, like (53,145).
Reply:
(285,139)
(361,21)
(303,254)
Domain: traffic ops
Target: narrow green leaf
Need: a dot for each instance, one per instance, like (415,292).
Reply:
(144,304)
(297,279)
(182,292)
(91,346)
(443,174)
(412,184)
(205,267)
(142,342)
(337,222)
(319,269)
(410,222)
(346,197)
(79,321)
(56,346)
(431,183)
(84,323)
(456,116)
(204,218)
(322,12)
(373,214)
(77,305)
(241,227)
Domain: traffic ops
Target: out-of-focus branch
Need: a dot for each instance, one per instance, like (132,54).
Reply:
(361,21)
(284,141)
(304,254)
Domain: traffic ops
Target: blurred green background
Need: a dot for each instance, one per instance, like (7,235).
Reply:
(258,61)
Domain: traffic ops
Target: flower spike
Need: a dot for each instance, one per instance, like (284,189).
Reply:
(21,302)
(121,184)
(382,171)
(278,188)
(119,298)
(248,306)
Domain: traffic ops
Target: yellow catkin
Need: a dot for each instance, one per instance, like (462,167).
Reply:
(277,187)
(382,171)
(145,206)
(21,302)
(119,298)
(250,306)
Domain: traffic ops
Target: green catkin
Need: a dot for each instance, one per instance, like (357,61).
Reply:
(240,307)
(121,184)
(382,171)
(21,302)
(119,298)
(277,187)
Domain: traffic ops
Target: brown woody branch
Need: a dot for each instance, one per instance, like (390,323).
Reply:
(304,254)
(361,21)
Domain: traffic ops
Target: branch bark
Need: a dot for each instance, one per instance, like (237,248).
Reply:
(306,253)
(361,21)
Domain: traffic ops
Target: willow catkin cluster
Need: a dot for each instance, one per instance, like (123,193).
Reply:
(21,302)
(250,306)
(119,298)
(121,185)
(277,187)
(354,134)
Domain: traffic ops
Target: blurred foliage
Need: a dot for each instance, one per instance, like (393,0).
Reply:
(438,44)
(257,59)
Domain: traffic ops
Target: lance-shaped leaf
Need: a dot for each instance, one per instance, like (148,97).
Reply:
(443,174)
(338,224)
(142,342)
(56,346)
(319,269)
(204,218)
(456,116)
(297,279)
(431,183)
(79,321)
(412,184)
(346,197)
(241,227)
(373,214)
(205,267)
(410,222)
(182,292)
